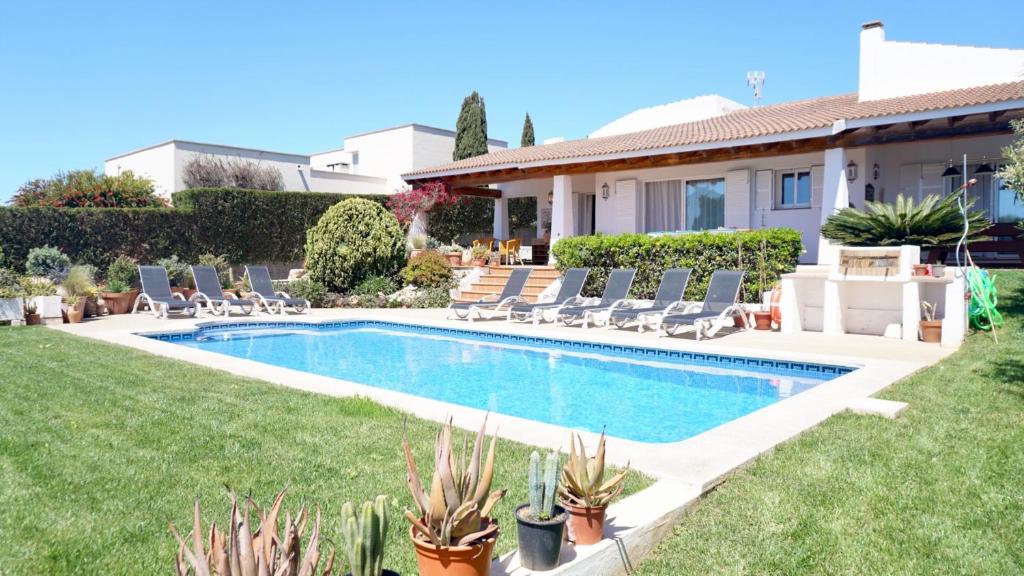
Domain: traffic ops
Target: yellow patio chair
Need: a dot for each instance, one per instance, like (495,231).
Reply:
(488,242)
(509,250)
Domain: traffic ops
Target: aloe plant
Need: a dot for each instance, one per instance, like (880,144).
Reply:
(583,482)
(364,534)
(243,552)
(935,221)
(543,485)
(452,513)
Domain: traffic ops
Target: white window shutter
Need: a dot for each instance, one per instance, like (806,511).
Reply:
(737,199)
(626,203)
(763,181)
(817,185)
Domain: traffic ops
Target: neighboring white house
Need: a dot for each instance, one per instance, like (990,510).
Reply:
(709,163)
(370,163)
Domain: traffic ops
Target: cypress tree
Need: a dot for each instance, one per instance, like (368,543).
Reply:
(471,128)
(527,139)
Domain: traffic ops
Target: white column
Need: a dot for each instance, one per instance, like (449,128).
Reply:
(561,209)
(501,218)
(835,195)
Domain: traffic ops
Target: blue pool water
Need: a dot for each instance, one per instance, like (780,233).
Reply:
(640,394)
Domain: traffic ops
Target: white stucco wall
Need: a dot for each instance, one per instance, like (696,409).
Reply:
(889,69)
(155,163)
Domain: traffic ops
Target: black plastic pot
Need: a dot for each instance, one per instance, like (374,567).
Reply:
(384,572)
(540,541)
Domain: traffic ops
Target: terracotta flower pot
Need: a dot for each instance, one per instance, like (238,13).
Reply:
(454,258)
(586,525)
(120,302)
(931,331)
(920,269)
(762,320)
(453,560)
(415,252)
(33,319)
(75,315)
(186,292)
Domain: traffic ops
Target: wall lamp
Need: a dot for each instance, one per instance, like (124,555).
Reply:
(851,171)
(605,191)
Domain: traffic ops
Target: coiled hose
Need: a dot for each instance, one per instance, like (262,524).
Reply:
(982,308)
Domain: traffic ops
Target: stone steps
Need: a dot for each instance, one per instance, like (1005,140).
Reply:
(495,278)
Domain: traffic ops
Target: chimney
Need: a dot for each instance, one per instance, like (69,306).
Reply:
(872,36)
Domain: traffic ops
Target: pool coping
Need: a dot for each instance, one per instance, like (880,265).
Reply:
(683,470)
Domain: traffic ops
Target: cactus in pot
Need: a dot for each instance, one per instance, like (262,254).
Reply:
(364,532)
(540,522)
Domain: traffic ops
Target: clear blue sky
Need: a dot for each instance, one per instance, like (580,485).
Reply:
(82,81)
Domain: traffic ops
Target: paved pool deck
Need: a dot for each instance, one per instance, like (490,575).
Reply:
(700,461)
(684,470)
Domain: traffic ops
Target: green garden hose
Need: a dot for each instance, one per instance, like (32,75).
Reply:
(982,308)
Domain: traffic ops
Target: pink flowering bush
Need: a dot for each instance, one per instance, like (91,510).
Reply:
(407,203)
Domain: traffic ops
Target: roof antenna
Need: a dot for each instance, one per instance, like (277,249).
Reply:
(755,80)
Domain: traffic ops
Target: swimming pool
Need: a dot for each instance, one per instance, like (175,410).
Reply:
(642,394)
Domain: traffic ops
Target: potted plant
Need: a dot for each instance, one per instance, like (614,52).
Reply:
(76,308)
(453,253)
(452,530)
(494,259)
(584,492)
(179,275)
(417,244)
(479,255)
(32,317)
(931,329)
(248,547)
(118,294)
(364,534)
(762,316)
(540,523)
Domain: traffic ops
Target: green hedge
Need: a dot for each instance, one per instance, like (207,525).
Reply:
(248,226)
(704,252)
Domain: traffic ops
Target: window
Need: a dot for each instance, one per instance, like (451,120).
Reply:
(663,206)
(794,189)
(705,204)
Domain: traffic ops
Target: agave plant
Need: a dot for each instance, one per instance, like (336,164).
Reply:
(935,221)
(583,482)
(456,510)
(246,553)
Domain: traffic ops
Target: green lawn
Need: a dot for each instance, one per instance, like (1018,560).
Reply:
(100,446)
(939,491)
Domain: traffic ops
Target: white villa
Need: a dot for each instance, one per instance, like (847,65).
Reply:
(368,163)
(712,163)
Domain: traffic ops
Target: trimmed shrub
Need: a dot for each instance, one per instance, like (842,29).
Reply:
(123,271)
(374,285)
(256,225)
(245,226)
(704,252)
(428,270)
(177,271)
(48,262)
(470,215)
(354,240)
(313,291)
(431,298)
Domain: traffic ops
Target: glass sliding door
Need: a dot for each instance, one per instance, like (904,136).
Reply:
(705,204)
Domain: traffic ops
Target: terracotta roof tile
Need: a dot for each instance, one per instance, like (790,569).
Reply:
(775,119)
